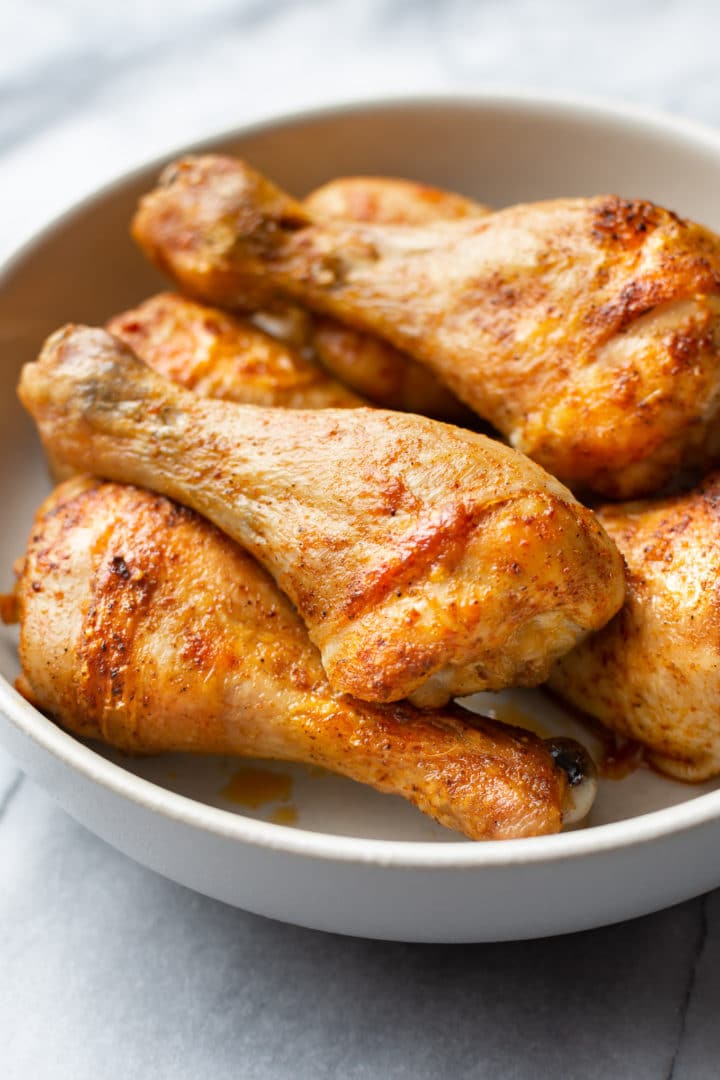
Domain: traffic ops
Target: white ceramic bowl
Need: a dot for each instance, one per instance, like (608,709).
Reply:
(357,862)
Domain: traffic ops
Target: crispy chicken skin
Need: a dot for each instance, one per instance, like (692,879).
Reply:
(371,366)
(383,374)
(586,330)
(388,200)
(220,356)
(654,672)
(144,626)
(425,560)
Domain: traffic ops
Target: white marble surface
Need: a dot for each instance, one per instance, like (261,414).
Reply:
(107,970)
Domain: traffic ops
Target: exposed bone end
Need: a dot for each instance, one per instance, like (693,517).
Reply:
(581,773)
(202,213)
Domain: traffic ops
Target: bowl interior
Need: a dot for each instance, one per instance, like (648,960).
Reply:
(85,268)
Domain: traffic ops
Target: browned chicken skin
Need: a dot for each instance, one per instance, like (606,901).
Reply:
(585,330)
(383,374)
(388,200)
(654,672)
(425,560)
(368,364)
(220,356)
(142,625)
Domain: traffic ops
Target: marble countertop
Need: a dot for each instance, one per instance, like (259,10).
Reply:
(107,969)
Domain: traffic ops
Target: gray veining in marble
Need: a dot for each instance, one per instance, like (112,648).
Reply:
(107,970)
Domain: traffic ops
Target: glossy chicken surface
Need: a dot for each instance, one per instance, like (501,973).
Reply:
(424,560)
(586,330)
(220,356)
(654,672)
(144,626)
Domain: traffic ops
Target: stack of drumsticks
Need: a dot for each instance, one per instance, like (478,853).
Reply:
(299,522)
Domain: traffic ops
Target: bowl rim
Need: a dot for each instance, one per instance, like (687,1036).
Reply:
(293,841)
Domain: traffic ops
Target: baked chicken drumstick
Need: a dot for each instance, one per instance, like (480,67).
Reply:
(367,363)
(220,356)
(424,560)
(654,672)
(142,625)
(585,330)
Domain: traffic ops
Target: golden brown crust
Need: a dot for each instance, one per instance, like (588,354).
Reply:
(144,626)
(586,330)
(422,558)
(385,375)
(220,356)
(387,200)
(654,672)
(374,368)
